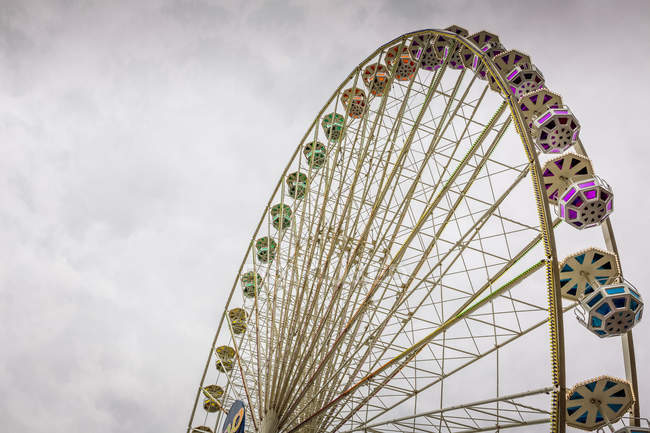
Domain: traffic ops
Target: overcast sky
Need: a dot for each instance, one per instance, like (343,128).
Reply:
(139,142)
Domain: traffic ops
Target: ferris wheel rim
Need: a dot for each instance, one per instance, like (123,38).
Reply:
(546,223)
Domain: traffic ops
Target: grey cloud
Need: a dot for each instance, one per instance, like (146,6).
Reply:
(140,142)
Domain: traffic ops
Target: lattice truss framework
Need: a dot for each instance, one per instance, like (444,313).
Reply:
(408,277)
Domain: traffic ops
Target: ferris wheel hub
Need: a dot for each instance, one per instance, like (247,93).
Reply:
(270,422)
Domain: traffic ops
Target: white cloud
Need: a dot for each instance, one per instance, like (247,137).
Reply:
(140,143)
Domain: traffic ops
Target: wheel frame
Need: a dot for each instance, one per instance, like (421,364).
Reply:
(543,210)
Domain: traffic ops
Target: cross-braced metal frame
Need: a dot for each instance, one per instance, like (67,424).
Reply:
(416,277)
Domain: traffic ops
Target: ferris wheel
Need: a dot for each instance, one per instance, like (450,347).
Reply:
(433,234)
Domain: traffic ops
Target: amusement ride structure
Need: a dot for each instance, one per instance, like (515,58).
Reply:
(404,275)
